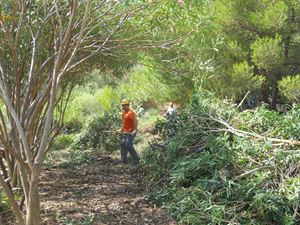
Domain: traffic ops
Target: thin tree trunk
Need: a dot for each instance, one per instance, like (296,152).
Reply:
(264,93)
(14,178)
(33,214)
(274,95)
(9,164)
(275,90)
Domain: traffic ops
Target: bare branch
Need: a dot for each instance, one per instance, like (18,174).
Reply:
(79,40)
(12,201)
(14,115)
(99,48)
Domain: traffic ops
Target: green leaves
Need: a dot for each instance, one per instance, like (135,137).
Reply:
(213,176)
(263,34)
(271,207)
(290,87)
(270,17)
(267,53)
(100,133)
(242,80)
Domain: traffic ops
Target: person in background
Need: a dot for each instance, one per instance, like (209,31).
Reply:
(171,124)
(128,132)
(171,110)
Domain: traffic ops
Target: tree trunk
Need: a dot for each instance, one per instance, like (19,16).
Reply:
(264,93)
(33,214)
(274,95)
(275,90)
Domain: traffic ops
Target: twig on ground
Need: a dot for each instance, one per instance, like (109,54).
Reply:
(251,171)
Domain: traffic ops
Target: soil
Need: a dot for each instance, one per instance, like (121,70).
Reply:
(103,192)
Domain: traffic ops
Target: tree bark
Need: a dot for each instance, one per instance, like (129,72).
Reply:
(275,90)
(33,214)
(264,93)
(274,95)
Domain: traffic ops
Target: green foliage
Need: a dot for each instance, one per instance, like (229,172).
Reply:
(267,53)
(100,133)
(271,206)
(72,126)
(270,16)
(180,35)
(91,118)
(77,157)
(83,104)
(108,98)
(5,203)
(146,84)
(261,34)
(212,176)
(290,87)
(269,122)
(63,141)
(242,79)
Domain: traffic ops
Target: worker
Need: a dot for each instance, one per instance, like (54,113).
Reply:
(128,132)
(171,110)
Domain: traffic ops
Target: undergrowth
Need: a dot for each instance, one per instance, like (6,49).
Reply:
(224,166)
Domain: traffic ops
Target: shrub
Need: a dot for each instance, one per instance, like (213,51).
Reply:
(100,133)
(63,141)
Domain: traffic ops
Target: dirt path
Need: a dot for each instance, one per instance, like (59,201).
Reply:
(101,193)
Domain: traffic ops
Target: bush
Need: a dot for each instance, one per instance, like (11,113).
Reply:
(78,157)
(100,133)
(290,87)
(63,141)
(72,126)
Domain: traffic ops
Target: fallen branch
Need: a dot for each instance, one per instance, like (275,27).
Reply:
(251,171)
(241,133)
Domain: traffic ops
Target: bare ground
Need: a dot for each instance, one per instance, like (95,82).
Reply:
(103,192)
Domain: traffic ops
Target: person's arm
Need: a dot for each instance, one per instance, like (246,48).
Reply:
(135,124)
(119,131)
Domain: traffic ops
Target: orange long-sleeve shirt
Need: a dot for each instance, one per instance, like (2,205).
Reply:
(128,121)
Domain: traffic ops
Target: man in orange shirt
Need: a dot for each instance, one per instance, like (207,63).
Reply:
(128,132)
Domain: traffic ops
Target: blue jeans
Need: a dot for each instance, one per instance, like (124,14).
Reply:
(127,146)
